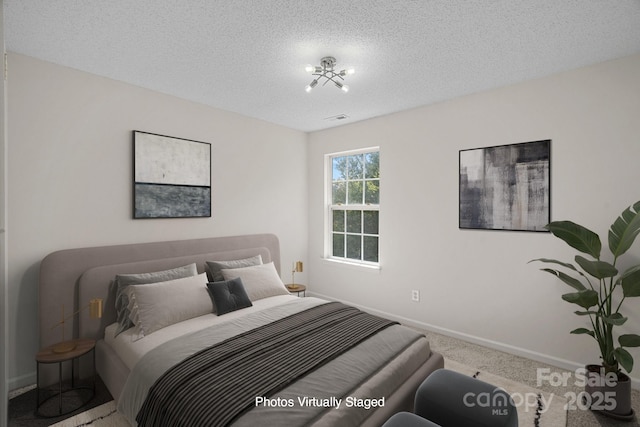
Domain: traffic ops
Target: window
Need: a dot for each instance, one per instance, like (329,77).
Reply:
(353,192)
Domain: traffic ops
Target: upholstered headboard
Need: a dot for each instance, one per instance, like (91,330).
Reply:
(74,276)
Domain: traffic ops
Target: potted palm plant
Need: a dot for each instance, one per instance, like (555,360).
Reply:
(599,289)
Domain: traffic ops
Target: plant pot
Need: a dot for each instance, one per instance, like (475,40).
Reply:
(608,393)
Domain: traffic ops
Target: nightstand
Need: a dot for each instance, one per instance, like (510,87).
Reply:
(69,398)
(297,289)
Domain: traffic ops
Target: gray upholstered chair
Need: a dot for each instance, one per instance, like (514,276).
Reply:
(451,399)
(407,419)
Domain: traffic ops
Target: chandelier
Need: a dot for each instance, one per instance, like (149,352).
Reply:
(326,71)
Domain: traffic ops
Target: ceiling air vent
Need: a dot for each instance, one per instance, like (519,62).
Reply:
(338,117)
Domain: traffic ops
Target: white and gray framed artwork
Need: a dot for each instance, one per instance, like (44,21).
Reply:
(506,187)
(172,177)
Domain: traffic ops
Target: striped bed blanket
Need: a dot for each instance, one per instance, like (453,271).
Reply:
(218,384)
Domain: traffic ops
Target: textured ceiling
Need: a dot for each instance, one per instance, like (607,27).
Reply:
(248,56)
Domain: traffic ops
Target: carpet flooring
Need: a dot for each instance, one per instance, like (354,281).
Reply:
(518,369)
(525,371)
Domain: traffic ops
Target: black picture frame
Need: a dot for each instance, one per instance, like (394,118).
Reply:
(506,187)
(171,177)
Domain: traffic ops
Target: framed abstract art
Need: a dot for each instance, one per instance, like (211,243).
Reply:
(505,187)
(172,177)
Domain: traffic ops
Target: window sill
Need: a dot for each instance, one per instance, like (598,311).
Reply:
(350,264)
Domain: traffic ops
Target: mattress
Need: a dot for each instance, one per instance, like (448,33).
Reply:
(375,368)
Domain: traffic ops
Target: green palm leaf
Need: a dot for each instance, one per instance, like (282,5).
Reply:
(583,331)
(585,299)
(624,230)
(629,340)
(598,269)
(631,282)
(555,261)
(571,281)
(615,319)
(624,358)
(576,236)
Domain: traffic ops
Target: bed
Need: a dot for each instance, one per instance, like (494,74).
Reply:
(372,376)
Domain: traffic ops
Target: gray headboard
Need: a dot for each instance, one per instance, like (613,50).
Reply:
(74,276)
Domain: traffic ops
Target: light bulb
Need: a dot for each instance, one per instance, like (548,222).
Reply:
(346,72)
(342,87)
(309,68)
(311,85)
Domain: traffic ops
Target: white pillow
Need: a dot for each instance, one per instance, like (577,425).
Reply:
(216,266)
(260,281)
(157,305)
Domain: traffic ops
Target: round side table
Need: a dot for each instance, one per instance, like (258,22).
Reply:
(297,289)
(47,355)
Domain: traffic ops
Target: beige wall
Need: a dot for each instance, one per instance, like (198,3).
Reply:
(69,151)
(477,284)
(70,178)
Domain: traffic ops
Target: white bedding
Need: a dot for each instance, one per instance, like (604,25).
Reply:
(349,374)
(130,351)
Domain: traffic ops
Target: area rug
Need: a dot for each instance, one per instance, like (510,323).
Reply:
(101,416)
(535,408)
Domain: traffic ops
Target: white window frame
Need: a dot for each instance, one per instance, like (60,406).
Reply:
(330,208)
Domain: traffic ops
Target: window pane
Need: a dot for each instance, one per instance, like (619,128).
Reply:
(372,165)
(338,245)
(339,165)
(370,222)
(354,221)
(355,192)
(354,247)
(339,193)
(370,249)
(356,166)
(372,192)
(338,221)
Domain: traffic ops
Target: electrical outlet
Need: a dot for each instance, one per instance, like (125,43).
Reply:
(415,295)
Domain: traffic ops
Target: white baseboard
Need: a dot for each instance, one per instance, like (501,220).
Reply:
(18,391)
(23,381)
(507,348)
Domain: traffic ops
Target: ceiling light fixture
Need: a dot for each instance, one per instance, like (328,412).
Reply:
(326,71)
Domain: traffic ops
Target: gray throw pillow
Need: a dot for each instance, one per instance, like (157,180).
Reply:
(229,295)
(260,281)
(215,266)
(123,281)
